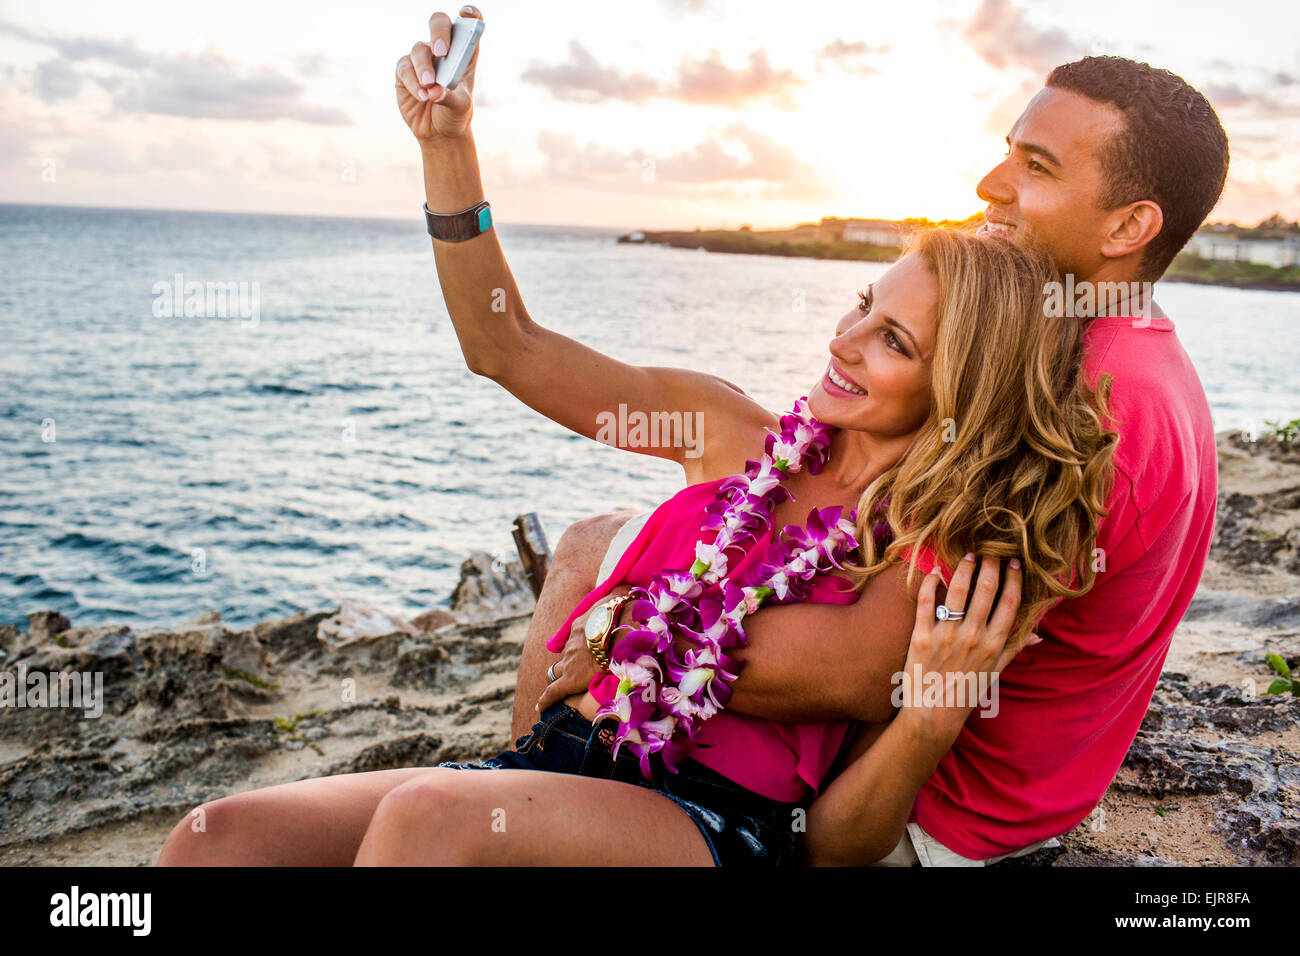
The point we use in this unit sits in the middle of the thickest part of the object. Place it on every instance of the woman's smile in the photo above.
(837, 383)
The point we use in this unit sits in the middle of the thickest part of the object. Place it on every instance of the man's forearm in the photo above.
(482, 298)
(824, 661)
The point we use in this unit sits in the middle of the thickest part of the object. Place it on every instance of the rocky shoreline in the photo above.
(202, 711)
(814, 241)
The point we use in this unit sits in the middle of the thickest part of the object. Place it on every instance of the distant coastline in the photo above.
(824, 241)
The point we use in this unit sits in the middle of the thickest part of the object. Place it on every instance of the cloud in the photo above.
(752, 159)
(24, 126)
(1252, 201)
(123, 53)
(709, 80)
(584, 80)
(207, 86)
(1249, 103)
(1003, 116)
(1223, 96)
(704, 80)
(211, 87)
(567, 161)
(183, 153)
(284, 162)
(706, 162)
(850, 56)
(105, 156)
(312, 65)
(56, 82)
(16, 142)
(1000, 34)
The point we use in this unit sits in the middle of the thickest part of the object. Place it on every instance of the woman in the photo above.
(960, 419)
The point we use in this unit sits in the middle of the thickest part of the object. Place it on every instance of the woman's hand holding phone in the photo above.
(433, 112)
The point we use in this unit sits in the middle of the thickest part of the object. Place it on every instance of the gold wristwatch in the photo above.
(600, 625)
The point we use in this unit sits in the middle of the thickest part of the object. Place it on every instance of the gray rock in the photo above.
(435, 620)
(489, 590)
(242, 653)
(10, 640)
(44, 626)
(293, 637)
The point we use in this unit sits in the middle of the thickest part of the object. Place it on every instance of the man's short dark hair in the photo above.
(1173, 150)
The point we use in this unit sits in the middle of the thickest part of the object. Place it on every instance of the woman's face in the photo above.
(882, 352)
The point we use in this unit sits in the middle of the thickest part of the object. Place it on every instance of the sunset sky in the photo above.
(749, 111)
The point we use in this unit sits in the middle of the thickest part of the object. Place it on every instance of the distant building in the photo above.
(875, 232)
(1267, 252)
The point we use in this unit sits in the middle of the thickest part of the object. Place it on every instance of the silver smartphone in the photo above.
(464, 41)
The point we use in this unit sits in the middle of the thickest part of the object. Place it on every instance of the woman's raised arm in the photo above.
(563, 379)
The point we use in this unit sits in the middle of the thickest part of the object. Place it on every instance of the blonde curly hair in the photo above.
(1015, 459)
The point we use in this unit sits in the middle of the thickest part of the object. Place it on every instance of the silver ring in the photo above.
(551, 676)
(945, 613)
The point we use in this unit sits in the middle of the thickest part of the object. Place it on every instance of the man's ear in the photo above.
(1132, 227)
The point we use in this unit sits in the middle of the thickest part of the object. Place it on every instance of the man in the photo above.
(1112, 166)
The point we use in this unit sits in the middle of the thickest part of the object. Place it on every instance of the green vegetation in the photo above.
(1285, 431)
(243, 675)
(1284, 684)
(1188, 267)
(287, 726)
(822, 241)
(1274, 227)
(774, 244)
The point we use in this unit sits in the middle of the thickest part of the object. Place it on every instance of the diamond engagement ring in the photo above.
(945, 613)
(551, 675)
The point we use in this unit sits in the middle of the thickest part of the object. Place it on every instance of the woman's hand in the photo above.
(573, 671)
(950, 651)
(432, 112)
(861, 814)
(576, 667)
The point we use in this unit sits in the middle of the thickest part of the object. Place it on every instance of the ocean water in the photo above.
(320, 437)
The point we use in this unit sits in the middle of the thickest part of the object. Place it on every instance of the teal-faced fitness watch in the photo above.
(459, 226)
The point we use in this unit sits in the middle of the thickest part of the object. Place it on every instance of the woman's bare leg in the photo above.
(317, 822)
(448, 817)
(573, 570)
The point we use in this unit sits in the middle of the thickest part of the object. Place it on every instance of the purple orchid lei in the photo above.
(662, 693)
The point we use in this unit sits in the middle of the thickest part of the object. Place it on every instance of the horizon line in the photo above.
(569, 225)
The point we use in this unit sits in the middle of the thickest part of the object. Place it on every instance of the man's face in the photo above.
(1049, 185)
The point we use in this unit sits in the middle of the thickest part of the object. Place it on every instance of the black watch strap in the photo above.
(459, 226)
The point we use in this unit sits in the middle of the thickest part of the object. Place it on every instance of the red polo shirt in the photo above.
(1071, 706)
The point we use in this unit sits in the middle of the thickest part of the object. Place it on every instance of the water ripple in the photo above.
(339, 448)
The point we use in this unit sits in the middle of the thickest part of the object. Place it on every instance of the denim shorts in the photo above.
(741, 828)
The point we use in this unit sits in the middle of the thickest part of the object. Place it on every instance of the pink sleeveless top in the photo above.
(780, 761)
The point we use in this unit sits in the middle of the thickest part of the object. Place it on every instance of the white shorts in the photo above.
(917, 846)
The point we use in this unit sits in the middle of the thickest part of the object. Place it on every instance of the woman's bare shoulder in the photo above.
(732, 432)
